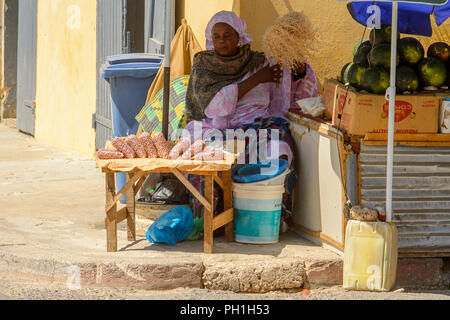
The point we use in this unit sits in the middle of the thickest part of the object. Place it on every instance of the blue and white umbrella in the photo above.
(413, 18)
(405, 16)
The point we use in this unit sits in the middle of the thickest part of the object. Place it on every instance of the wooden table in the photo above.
(137, 171)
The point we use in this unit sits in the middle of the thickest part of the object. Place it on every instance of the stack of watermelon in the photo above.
(371, 64)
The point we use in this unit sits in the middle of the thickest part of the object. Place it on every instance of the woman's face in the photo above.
(225, 39)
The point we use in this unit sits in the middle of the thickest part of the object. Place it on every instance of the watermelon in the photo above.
(448, 74)
(344, 72)
(432, 72)
(439, 50)
(361, 55)
(410, 50)
(380, 56)
(354, 75)
(359, 44)
(407, 79)
(375, 80)
(383, 35)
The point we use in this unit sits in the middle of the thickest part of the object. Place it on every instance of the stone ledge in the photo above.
(255, 277)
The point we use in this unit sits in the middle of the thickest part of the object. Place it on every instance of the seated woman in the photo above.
(233, 87)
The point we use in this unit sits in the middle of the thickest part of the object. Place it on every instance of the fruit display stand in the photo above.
(138, 169)
(334, 166)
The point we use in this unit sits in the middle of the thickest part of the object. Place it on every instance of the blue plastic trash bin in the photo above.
(130, 77)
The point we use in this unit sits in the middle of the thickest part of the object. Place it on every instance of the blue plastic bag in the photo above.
(172, 227)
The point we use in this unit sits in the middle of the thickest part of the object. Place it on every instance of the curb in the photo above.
(279, 274)
(140, 276)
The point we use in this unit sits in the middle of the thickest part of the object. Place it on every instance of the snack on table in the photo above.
(123, 147)
(211, 154)
(161, 145)
(137, 146)
(196, 148)
(146, 140)
(109, 154)
(180, 148)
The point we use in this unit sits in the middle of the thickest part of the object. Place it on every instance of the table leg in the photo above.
(111, 224)
(131, 216)
(228, 203)
(208, 215)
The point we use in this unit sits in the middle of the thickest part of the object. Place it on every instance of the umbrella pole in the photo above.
(166, 96)
(390, 94)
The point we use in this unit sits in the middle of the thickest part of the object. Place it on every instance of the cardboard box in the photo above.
(329, 96)
(363, 113)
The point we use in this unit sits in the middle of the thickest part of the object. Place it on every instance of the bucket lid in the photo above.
(134, 57)
(133, 70)
(258, 172)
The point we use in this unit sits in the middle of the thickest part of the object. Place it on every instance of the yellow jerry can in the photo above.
(370, 256)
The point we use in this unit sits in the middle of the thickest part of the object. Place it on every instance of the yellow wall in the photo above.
(338, 31)
(66, 74)
(199, 12)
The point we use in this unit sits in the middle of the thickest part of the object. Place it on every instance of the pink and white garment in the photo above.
(225, 111)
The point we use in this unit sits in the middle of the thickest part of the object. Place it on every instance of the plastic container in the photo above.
(275, 181)
(130, 77)
(257, 213)
(258, 172)
(370, 256)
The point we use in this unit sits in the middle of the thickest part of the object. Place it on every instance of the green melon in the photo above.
(410, 50)
(448, 73)
(439, 50)
(383, 35)
(375, 80)
(344, 72)
(432, 72)
(355, 73)
(407, 79)
(362, 54)
(380, 56)
(359, 44)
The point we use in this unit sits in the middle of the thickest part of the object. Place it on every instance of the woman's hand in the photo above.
(266, 74)
(270, 74)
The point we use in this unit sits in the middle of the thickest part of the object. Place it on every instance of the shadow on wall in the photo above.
(336, 29)
(180, 9)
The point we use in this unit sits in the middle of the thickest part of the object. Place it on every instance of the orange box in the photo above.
(365, 112)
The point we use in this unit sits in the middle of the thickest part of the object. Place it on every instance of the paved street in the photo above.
(17, 288)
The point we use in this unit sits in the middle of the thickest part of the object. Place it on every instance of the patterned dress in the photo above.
(264, 101)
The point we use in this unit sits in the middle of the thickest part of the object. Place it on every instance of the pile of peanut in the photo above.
(146, 146)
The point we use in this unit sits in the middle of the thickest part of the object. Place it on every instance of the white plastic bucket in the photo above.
(257, 212)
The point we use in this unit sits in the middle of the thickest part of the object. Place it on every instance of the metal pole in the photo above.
(125, 48)
(391, 96)
(167, 41)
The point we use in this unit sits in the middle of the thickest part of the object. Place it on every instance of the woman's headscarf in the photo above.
(211, 72)
(232, 20)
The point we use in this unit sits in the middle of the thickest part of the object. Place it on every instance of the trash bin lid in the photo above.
(249, 173)
(132, 70)
(133, 65)
(134, 57)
